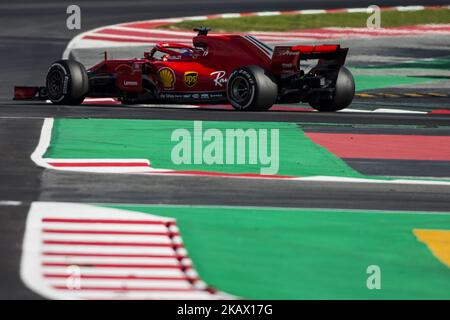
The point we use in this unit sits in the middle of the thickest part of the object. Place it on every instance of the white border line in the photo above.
(44, 142)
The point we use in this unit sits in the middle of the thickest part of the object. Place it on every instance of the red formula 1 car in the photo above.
(218, 68)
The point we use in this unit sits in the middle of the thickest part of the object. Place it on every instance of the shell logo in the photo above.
(167, 77)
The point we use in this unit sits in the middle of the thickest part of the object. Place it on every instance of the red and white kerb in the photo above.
(78, 251)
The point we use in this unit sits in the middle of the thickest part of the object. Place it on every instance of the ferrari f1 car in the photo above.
(237, 69)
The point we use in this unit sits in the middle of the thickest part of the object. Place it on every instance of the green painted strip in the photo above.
(151, 139)
(276, 253)
(372, 81)
(442, 63)
(368, 82)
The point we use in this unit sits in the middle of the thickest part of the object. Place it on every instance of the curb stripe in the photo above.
(103, 221)
(440, 111)
(93, 38)
(60, 231)
(107, 265)
(98, 277)
(98, 164)
(112, 244)
(117, 255)
(119, 269)
(126, 289)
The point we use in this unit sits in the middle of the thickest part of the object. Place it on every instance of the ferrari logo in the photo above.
(167, 78)
(190, 78)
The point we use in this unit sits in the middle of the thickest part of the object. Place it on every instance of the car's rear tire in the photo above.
(67, 82)
(342, 97)
(251, 88)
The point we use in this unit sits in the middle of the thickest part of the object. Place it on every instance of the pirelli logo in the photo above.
(167, 77)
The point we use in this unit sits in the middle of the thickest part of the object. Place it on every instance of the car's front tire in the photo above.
(67, 82)
(251, 88)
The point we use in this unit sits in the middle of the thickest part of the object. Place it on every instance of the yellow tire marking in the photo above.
(413, 95)
(400, 95)
(438, 241)
(436, 94)
(391, 95)
(365, 95)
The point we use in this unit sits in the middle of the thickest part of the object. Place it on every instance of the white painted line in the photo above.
(94, 161)
(89, 165)
(196, 18)
(319, 11)
(354, 110)
(136, 295)
(105, 45)
(410, 8)
(357, 10)
(170, 20)
(107, 238)
(385, 110)
(110, 260)
(44, 142)
(268, 13)
(230, 15)
(107, 227)
(93, 100)
(10, 203)
(135, 283)
(107, 250)
(138, 272)
(19, 117)
(122, 170)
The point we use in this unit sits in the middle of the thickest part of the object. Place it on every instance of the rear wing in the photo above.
(286, 59)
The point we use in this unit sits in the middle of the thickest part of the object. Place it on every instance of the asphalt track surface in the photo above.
(33, 33)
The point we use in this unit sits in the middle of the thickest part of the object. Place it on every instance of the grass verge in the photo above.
(310, 21)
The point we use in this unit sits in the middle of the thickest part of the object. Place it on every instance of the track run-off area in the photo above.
(93, 205)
